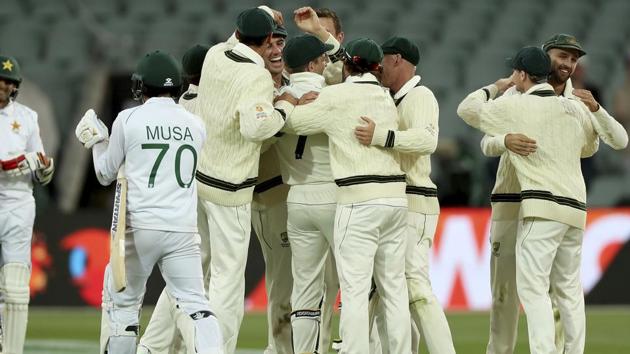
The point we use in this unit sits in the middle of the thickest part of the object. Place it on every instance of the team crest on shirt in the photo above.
(259, 109)
(168, 82)
(15, 126)
(284, 240)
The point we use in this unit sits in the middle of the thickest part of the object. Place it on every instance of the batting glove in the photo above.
(91, 130)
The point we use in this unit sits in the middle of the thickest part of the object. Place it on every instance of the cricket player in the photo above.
(238, 120)
(371, 205)
(22, 161)
(161, 335)
(416, 139)
(158, 143)
(269, 220)
(331, 22)
(312, 199)
(553, 194)
(564, 51)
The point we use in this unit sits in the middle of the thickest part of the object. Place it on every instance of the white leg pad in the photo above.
(305, 324)
(200, 330)
(15, 285)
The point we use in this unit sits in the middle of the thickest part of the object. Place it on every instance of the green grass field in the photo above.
(70, 330)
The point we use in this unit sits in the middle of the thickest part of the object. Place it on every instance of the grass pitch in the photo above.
(76, 330)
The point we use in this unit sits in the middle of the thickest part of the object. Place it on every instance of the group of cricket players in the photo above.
(324, 149)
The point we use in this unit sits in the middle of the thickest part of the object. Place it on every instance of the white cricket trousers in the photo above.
(426, 311)
(504, 311)
(177, 256)
(161, 336)
(229, 233)
(270, 226)
(310, 223)
(548, 254)
(505, 308)
(370, 240)
(16, 231)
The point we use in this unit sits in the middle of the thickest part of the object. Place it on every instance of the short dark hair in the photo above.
(324, 12)
(173, 91)
(538, 79)
(354, 69)
(298, 69)
(193, 79)
(254, 41)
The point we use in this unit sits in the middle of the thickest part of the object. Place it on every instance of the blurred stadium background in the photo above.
(78, 54)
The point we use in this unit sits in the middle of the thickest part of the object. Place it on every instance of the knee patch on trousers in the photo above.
(15, 283)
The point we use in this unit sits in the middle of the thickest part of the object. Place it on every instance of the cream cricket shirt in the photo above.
(362, 172)
(304, 160)
(552, 186)
(159, 143)
(416, 139)
(19, 134)
(188, 100)
(505, 196)
(235, 102)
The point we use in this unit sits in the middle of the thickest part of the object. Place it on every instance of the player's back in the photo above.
(225, 88)
(560, 134)
(551, 179)
(162, 144)
(349, 157)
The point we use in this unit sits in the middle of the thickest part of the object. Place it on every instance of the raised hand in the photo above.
(307, 21)
(587, 98)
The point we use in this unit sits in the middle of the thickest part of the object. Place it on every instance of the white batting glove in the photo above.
(44, 175)
(91, 130)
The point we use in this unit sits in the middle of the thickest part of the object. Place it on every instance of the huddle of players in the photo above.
(356, 161)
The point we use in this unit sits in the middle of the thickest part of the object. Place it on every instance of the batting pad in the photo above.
(200, 330)
(305, 324)
(15, 279)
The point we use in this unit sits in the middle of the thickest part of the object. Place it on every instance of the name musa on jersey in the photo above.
(159, 143)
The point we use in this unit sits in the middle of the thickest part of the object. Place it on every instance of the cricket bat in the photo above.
(117, 243)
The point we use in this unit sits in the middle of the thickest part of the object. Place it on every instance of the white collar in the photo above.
(249, 53)
(538, 87)
(408, 86)
(366, 77)
(8, 110)
(568, 89)
(307, 77)
(166, 100)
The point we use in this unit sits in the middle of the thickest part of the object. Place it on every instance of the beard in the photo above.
(560, 77)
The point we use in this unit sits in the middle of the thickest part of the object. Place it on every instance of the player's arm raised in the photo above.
(471, 107)
(609, 130)
(107, 151)
(307, 21)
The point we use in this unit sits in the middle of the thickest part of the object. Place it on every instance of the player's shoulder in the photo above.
(126, 114)
(24, 111)
(421, 92)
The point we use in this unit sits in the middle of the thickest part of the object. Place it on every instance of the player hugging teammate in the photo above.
(336, 183)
